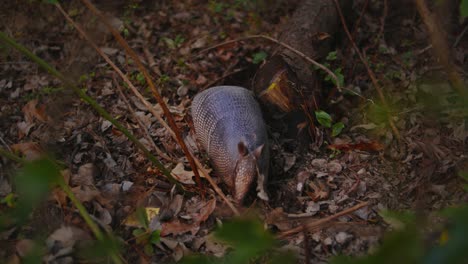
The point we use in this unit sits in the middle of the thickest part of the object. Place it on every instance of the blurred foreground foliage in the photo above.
(408, 242)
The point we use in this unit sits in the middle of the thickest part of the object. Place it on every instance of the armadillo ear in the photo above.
(243, 151)
(258, 151)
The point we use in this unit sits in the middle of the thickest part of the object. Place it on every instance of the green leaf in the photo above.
(9, 200)
(464, 8)
(463, 174)
(155, 237)
(170, 43)
(337, 128)
(140, 235)
(142, 217)
(331, 56)
(247, 237)
(259, 57)
(148, 249)
(323, 118)
(398, 220)
(140, 77)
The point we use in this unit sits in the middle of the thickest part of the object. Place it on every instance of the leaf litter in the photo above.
(112, 178)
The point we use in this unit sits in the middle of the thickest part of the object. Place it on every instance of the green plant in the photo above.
(259, 57)
(174, 43)
(464, 8)
(332, 57)
(145, 236)
(251, 243)
(325, 120)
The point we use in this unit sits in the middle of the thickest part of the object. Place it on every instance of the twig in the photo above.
(155, 92)
(4, 143)
(284, 45)
(319, 223)
(215, 187)
(140, 122)
(369, 71)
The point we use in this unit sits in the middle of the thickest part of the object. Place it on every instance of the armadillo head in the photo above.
(246, 170)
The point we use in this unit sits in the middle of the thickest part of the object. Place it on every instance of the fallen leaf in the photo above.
(24, 128)
(319, 193)
(201, 80)
(182, 175)
(205, 211)
(289, 161)
(31, 111)
(132, 220)
(277, 217)
(177, 227)
(30, 150)
(64, 239)
(85, 193)
(85, 175)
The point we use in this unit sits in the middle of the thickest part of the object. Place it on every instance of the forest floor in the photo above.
(113, 178)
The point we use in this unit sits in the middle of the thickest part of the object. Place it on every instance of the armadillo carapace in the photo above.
(230, 127)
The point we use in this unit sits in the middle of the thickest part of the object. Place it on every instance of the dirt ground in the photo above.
(308, 182)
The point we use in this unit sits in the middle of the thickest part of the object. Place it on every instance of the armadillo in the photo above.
(229, 125)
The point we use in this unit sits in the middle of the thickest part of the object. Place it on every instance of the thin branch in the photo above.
(155, 92)
(369, 71)
(311, 226)
(284, 45)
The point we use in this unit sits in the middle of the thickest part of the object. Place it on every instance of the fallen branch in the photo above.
(311, 226)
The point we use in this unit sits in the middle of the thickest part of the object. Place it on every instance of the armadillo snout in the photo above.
(245, 173)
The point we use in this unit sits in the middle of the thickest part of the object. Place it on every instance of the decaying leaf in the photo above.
(182, 175)
(30, 150)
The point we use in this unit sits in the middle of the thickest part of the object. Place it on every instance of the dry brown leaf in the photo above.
(277, 217)
(205, 211)
(24, 128)
(31, 111)
(30, 150)
(201, 80)
(85, 175)
(182, 175)
(319, 193)
(177, 227)
(85, 193)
